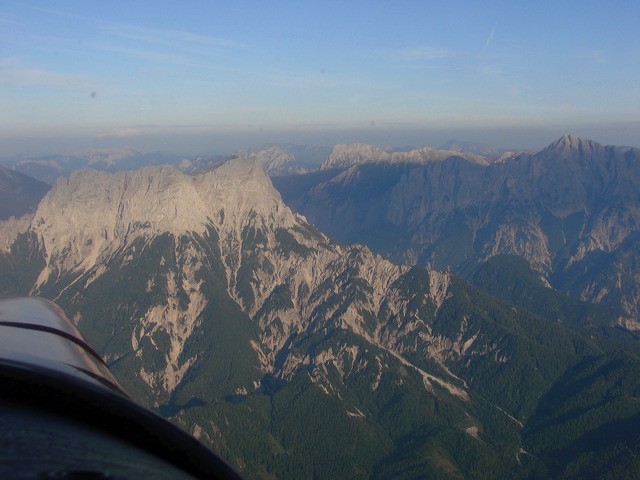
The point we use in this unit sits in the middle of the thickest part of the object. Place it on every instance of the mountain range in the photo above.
(470, 147)
(277, 160)
(572, 210)
(47, 168)
(295, 356)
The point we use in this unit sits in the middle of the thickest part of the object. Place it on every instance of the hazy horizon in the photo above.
(213, 143)
(204, 77)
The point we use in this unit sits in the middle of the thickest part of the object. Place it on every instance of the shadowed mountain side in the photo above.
(19, 193)
(574, 204)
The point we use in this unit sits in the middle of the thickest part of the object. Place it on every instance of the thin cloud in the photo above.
(155, 56)
(171, 38)
(169, 47)
(275, 78)
(488, 40)
(12, 73)
(51, 11)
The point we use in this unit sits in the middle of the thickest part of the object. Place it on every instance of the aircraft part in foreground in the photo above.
(64, 416)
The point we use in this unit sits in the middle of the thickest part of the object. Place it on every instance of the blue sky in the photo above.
(207, 76)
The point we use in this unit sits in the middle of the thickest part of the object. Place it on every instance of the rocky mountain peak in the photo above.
(572, 145)
(344, 156)
(349, 155)
(274, 160)
(91, 214)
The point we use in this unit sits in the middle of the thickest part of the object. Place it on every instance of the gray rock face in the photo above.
(91, 215)
(275, 161)
(559, 209)
(574, 146)
(347, 155)
(344, 156)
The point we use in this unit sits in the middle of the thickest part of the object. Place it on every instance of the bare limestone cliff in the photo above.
(344, 156)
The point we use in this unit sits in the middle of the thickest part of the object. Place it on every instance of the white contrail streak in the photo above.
(488, 41)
